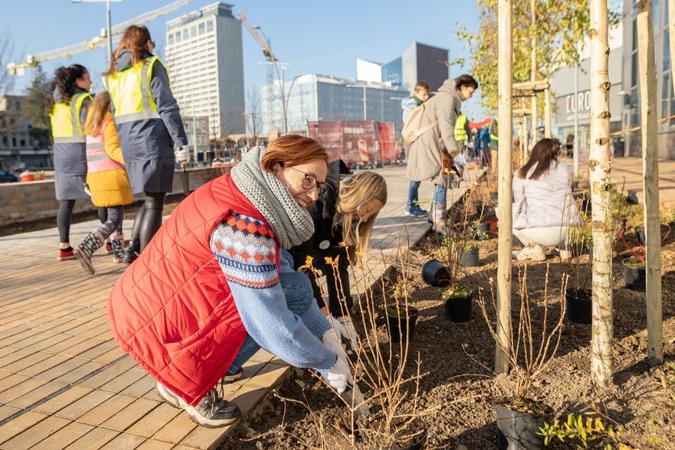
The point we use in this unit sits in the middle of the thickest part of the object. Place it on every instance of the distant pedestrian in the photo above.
(494, 144)
(462, 131)
(432, 154)
(107, 182)
(420, 95)
(68, 112)
(150, 129)
(569, 144)
(484, 139)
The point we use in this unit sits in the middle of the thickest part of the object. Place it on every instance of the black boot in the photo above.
(132, 251)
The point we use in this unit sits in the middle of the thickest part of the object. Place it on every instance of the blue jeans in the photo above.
(438, 208)
(299, 296)
(413, 200)
(440, 193)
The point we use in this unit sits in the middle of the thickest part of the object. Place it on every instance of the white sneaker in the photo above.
(211, 412)
(533, 253)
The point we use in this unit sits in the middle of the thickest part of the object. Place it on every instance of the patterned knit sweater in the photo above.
(246, 253)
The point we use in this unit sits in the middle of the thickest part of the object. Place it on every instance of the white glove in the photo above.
(182, 154)
(350, 333)
(460, 160)
(339, 376)
(342, 334)
(332, 339)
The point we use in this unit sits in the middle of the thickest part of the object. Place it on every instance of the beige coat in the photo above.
(424, 160)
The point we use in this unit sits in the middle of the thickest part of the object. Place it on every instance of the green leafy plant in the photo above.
(582, 428)
(666, 379)
(455, 291)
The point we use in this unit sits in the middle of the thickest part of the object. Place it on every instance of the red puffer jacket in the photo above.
(172, 309)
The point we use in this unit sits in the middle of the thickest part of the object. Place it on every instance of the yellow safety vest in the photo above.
(130, 92)
(460, 128)
(65, 120)
(494, 129)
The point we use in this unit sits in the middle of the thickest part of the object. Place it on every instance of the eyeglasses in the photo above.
(153, 43)
(310, 182)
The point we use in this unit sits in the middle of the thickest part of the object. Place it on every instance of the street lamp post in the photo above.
(364, 103)
(286, 99)
(108, 23)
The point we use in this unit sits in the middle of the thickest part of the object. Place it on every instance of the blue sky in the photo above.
(310, 36)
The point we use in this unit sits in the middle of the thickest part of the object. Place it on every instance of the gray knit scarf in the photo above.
(291, 223)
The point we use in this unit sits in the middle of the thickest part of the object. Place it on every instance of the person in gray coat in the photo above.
(431, 149)
(149, 126)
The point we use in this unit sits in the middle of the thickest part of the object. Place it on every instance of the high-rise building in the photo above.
(204, 55)
(419, 62)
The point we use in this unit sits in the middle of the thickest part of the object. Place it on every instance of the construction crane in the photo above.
(271, 64)
(97, 42)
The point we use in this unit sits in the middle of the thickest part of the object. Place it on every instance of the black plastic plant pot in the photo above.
(580, 307)
(481, 230)
(470, 258)
(418, 444)
(458, 309)
(635, 274)
(520, 429)
(434, 273)
(401, 323)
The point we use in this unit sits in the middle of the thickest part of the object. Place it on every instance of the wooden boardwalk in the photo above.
(64, 382)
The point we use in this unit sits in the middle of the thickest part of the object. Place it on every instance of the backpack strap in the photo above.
(425, 128)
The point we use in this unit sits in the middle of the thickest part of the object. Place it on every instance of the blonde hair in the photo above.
(356, 190)
(97, 111)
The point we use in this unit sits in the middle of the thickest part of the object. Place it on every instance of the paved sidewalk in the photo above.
(629, 170)
(64, 383)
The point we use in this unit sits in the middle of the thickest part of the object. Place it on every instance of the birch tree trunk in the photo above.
(599, 171)
(505, 177)
(650, 168)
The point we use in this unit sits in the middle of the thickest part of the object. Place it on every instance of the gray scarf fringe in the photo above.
(292, 224)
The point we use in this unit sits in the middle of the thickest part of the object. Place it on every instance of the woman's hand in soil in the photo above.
(339, 376)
